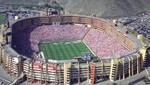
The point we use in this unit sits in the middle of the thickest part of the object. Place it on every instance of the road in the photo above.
(4, 77)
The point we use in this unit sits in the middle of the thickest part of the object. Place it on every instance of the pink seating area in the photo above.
(26, 42)
(102, 44)
(54, 33)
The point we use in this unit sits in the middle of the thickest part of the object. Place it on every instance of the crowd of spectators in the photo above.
(140, 23)
(102, 44)
(26, 42)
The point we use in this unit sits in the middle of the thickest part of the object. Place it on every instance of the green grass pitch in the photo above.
(63, 50)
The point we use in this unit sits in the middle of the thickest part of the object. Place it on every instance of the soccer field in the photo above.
(63, 50)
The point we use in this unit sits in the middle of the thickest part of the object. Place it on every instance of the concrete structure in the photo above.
(67, 72)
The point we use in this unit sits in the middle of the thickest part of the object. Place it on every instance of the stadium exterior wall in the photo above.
(105, 68)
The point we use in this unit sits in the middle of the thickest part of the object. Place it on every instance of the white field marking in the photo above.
(55, 43)
(76, 41)
(67, 42)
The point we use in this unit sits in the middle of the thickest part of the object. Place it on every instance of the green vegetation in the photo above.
(63, 50)
(29, 6)
(2, 18)
(56, 6)
(53, 5)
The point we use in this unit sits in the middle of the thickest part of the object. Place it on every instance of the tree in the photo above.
(56, 6)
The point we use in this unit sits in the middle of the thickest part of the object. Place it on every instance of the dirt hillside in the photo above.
(103, 8)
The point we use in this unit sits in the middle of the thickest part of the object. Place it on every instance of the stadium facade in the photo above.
(66, 72)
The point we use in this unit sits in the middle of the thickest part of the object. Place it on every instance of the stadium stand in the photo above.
(98, 41)
(102, 44)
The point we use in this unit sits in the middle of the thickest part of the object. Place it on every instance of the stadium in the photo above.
(70, 49)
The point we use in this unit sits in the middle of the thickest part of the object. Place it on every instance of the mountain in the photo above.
(102, 8)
